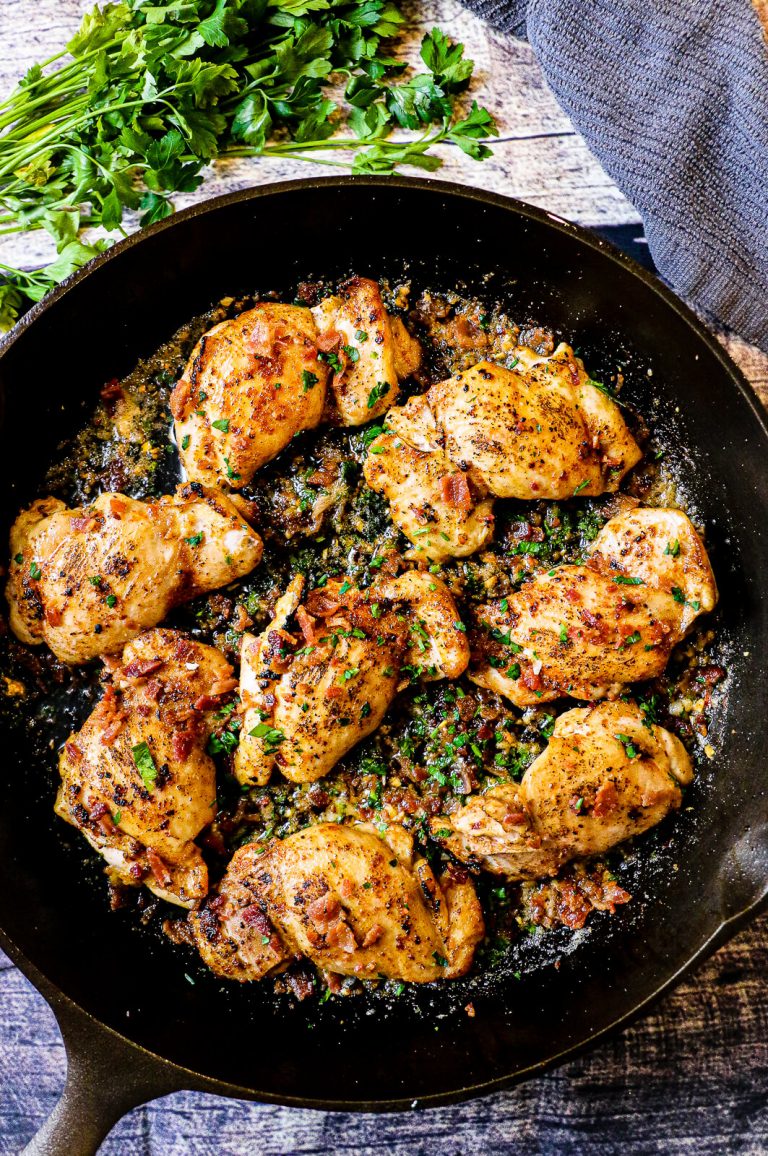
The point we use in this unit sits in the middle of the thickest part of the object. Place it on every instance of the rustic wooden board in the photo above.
(692, 1077)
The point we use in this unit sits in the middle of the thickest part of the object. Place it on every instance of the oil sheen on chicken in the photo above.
(352, 901)
(87, 580)
(136, 779)
(372, 350)
(540, 429)
(249, 386)
(605, 776)
(323, 674)
(586, 631)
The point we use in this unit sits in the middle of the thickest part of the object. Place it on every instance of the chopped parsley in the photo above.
(673, 548)
(34, 571)
(380, 389)
(624, 580)
(629, 746)
(145, 765)
(308, 380)
(185, 442)
(195, 540)
(222, 424)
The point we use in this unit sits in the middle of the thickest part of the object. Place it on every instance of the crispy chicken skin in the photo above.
(249, 386)
(353, 902)
(323, 674)
(586, 631)
(541, 429)
(164, 695)
(373, 348)
(87, 580)
(604, 777)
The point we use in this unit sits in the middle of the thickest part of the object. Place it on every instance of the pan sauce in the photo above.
(318, 518)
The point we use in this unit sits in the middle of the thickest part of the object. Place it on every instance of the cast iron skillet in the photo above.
(133, 1026)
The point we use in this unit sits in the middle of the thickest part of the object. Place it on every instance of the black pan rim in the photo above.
(188, 1078)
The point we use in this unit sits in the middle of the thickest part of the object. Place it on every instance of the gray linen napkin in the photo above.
(672, 97)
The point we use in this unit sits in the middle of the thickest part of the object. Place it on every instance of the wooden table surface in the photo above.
(690, 1078)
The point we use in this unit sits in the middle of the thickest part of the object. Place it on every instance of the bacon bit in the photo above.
(573, 595)
(340, 936)
(223, 686)
(137, 872)
(531, 680)
(333, 692)
(591, 619)
(110, 732)
(184, 650)
(179, 931)
(469, 1008)
(711, 675)
(347, 888)
(179, 398)
(325, 476)
(320, 603)
(181, 744)
(253, 916)
(307, 624)
(99, 810)
(207, 702)
(141, 667)
(158, 868)
(373, 935)
(333, 981)
(74, 752)
(329, 340)
(300, 984)
(324, 909)
(456, 492)
(242, 619)
(53, 615)
(153, 689)
(113, 389)
(573, 369)
(514, 819)
(117, 507)
(85, 523)
(606, 800)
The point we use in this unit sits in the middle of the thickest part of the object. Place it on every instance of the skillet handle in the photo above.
(106, 1077)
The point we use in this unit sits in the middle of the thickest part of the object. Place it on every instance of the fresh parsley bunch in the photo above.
(155, 90)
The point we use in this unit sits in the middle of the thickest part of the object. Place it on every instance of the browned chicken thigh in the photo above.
(541, 429)
(249, 386)
(87, 580)
(370, 350)
(136, 779)
(323, 674)
(605, 776)
(586, 631)
(352, 901)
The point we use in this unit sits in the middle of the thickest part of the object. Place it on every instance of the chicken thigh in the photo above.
(605, 776)
(136, 779)
(87, 580)
(323, 674)
(353, 902)
(249, 386)
(372, 349)
(541, 429)
(586, 631)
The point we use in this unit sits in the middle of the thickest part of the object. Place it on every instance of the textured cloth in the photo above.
(672, 97)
